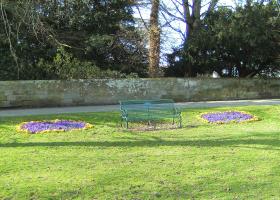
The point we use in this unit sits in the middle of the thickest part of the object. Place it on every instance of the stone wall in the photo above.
(108, 91)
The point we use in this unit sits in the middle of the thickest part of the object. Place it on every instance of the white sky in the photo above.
(170, 37)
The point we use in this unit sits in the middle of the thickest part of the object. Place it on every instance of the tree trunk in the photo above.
(193, 17)
(154, 37)
(196, 15)
(187, 17)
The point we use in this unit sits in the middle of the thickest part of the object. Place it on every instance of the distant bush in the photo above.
(65, 66)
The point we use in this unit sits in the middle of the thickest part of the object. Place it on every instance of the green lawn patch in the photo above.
(199, 161)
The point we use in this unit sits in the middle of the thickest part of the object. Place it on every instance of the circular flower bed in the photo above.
(227, 117)
(53, 125)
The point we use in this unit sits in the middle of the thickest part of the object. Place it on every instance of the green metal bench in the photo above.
(149, 110)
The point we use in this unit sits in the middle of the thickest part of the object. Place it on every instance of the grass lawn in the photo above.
(199, 161)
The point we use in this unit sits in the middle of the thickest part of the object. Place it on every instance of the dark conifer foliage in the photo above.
(63, 39)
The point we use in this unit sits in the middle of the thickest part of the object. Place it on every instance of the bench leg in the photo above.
(126, 124)
(124, 121)
(180, 122)
(155, 125)
(121, 122)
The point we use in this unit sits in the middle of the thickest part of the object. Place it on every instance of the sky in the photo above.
(170, 38)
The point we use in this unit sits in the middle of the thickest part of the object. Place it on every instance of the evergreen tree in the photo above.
(99, 33)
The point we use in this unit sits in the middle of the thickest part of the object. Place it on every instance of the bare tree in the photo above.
(188, 12)
(166, 13)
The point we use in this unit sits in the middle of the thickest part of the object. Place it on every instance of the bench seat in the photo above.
(149, 110)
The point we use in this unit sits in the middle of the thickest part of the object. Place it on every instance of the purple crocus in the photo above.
(57, 125)
(226, 117)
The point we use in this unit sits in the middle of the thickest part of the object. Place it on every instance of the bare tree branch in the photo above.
(166, 10)
(178, 30)
(142, 19)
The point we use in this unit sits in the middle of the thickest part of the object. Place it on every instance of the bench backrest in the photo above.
(147, 105)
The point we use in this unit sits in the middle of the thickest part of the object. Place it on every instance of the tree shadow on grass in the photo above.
(270, 143)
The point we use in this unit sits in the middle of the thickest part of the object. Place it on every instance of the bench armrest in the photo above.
(123, 112)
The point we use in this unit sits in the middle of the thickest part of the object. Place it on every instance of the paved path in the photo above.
(106, 108)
